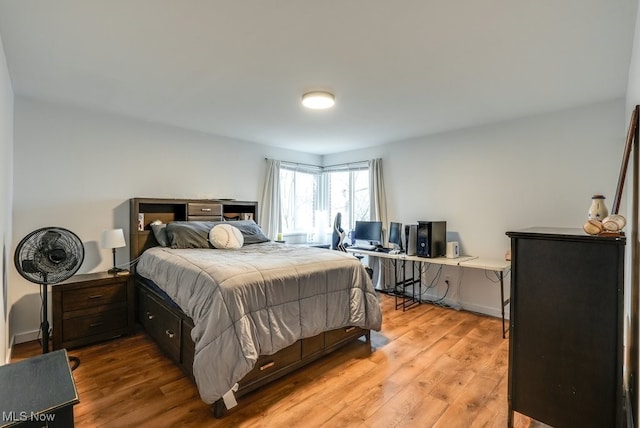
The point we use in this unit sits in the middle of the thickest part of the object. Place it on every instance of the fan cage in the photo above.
(49, 255)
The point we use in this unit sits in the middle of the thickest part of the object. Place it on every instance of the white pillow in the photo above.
(226, 236)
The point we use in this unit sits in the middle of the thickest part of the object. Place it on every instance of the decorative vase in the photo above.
(598, 210)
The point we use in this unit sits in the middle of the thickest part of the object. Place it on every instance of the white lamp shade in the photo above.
(113, 238)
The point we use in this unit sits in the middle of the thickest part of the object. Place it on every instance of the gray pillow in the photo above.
(251, 232)
(160, 233)
(189, 234)
(195, 234)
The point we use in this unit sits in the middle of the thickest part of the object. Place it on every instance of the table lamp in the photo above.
(113, 239)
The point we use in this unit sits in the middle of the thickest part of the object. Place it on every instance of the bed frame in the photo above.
(171, 328)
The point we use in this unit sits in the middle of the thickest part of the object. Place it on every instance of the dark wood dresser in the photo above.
(92, 307)
(566, 339)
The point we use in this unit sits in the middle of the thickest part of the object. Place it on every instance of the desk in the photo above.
(499, 267)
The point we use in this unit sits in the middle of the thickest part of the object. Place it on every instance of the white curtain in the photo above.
(269, 217)
(378, 194)
(378, 212)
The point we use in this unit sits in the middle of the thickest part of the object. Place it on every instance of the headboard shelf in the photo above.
(144, 211)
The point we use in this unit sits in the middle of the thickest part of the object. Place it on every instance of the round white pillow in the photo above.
(226, 236)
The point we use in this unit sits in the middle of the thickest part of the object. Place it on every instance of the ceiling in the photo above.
(398, 69)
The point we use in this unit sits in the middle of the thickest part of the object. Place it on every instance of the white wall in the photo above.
(632, 99)
(485, 181)
(633, 87)
(77, 169)
(6, 180)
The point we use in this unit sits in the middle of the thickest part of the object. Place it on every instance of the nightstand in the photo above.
(92, 307)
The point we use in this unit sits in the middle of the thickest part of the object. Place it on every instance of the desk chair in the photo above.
(337, 237)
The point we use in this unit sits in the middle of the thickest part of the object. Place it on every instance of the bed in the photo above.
(235, 318)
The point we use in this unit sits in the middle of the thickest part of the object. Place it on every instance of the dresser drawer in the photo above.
(92, 325)
(188, 348)
(312, 345)
(268, 364)
(88, 297)
(204, 209)
(163, 325)
(205, 218)
(341, 334)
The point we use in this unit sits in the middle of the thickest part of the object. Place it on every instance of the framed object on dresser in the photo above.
(566, 339)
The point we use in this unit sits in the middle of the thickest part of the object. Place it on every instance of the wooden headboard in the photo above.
(144, 211)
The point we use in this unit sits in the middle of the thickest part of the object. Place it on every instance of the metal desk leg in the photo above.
(403, 299)
(503, 303)
(395, 283)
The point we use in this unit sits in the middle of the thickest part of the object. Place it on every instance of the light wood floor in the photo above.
(428, 367)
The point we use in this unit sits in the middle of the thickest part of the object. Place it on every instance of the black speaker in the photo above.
(432, 239)
(410, 239)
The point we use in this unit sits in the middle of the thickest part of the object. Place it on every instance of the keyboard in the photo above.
(371, 248)
(363, 247)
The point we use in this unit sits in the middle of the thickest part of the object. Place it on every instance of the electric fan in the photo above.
(48, 256)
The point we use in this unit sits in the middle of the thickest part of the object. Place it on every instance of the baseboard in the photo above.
(9, 351)
(457, 305)
(21, 338)
(486, 310)
(28, 336)
(466, 306)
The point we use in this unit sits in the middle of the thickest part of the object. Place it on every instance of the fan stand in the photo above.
(44, 326)
(48, 250)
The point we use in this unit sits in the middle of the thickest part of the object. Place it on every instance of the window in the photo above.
(312, 196)
(349, 195)
(298, 199)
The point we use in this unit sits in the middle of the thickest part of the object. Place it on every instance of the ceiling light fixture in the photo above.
(318, 100)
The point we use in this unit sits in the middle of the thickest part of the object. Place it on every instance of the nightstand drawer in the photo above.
(205, 210)
(76, 328)
(94, 296)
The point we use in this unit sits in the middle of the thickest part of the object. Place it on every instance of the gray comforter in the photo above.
(257, 300)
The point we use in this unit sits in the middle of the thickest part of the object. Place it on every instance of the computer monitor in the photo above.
(370, 231)
(395, 235)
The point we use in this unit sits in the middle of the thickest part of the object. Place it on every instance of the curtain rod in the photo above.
(325, 166)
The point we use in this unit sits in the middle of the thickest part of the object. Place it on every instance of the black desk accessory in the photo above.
(38, 391)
